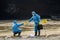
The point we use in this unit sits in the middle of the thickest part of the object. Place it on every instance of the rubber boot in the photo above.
(14, 34)
(38, 33)
(19, 34)
(35, 33)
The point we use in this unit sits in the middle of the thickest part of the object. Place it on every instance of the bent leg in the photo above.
(19, 32)
(14, 33)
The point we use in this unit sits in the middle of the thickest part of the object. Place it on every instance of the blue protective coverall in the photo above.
(15, 27)
(36, 19)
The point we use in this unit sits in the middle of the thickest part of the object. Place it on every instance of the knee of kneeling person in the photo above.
(20, 30)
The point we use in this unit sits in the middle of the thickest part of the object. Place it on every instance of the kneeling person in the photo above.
(15, 28)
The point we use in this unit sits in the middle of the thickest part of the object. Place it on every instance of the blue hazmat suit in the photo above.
(36, 19)
(15, 27)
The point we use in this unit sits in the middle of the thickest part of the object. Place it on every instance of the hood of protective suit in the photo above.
(15, 21)
(33, 12)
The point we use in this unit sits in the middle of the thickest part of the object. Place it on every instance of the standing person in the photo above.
(15, 28)
(36, 18)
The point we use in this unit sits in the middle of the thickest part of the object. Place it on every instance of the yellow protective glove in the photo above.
(44, 21)
(25, 22)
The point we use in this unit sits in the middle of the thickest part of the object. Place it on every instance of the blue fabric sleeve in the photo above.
(31, 19)
(20, 24)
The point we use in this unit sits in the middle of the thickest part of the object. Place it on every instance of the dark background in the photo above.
(21, 9)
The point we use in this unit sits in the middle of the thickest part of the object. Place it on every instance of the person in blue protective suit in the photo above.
(15, 28)
(36, 19)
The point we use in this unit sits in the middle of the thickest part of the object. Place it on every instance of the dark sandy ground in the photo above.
(50, 32)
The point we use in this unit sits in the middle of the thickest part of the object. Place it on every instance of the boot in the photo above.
(19, 34)
(38, 33)
(35, 33)
(14, 34)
